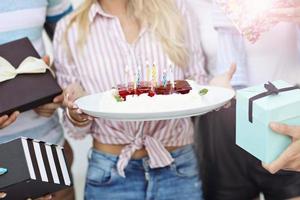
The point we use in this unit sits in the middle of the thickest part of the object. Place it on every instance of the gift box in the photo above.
(35, 169)
(26, 82)
(258, 106)
(251, 17)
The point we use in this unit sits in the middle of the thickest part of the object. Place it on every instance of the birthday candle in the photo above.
(139, 74)
(148, 71)
(172, 67)
(154, 75)
(164, 78)
(134, 80)
(171, 72)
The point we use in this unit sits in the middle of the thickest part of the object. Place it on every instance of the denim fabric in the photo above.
(180, 181)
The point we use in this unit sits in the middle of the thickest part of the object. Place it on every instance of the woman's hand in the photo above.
(71, 93)
(289, 13)
(290, 158)
(224, 80)
(7, 120)
(47, 110)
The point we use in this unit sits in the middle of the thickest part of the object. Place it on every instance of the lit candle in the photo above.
(172, 76)
(148, 71)
(164, 78)
(139, 74)
(154, 75)
(134, 80)
(171, 72)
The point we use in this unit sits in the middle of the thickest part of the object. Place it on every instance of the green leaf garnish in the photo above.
(203, 92)
(118, 98)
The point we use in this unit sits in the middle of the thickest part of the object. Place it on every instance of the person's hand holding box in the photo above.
(49, 109)
(6, 120)
(26, 81)
(259, 105)
(290, 158)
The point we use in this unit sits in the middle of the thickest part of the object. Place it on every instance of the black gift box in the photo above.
(26, 91)
(35, 169)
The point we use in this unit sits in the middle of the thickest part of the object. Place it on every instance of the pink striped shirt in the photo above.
(100, 65)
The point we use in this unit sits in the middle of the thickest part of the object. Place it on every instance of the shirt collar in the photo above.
(95, 10)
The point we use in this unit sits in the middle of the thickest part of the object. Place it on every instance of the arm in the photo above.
(68, 78)
(55, 11)
(195, 69)
(231, 48)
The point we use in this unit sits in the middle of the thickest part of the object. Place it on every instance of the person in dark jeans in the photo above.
(230, 173)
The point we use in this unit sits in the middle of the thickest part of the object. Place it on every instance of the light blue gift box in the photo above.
(256, 137)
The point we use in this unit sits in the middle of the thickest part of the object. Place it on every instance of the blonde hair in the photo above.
(161, 16)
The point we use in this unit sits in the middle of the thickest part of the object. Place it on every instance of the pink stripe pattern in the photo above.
(101, 64)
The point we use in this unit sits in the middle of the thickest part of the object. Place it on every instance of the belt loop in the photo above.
(173, 166)
(146, 168)
(146, 164)
(89, 154)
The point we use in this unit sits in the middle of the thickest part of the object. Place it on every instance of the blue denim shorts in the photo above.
(179, 181)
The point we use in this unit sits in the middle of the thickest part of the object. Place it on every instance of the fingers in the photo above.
(279, 163)
(47, 110)
(231, 71)
(46, 60)
(228, 105)
(44, 113)
(10, 119)
(75, 91)
(58, 99)
(68, 102)
(2, 195)
(293, 131)
(3, 119)
(82, 115)
(286, 160)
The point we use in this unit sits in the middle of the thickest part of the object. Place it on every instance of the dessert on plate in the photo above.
(146, 97)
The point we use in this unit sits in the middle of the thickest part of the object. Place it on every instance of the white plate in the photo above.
(214, 99)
